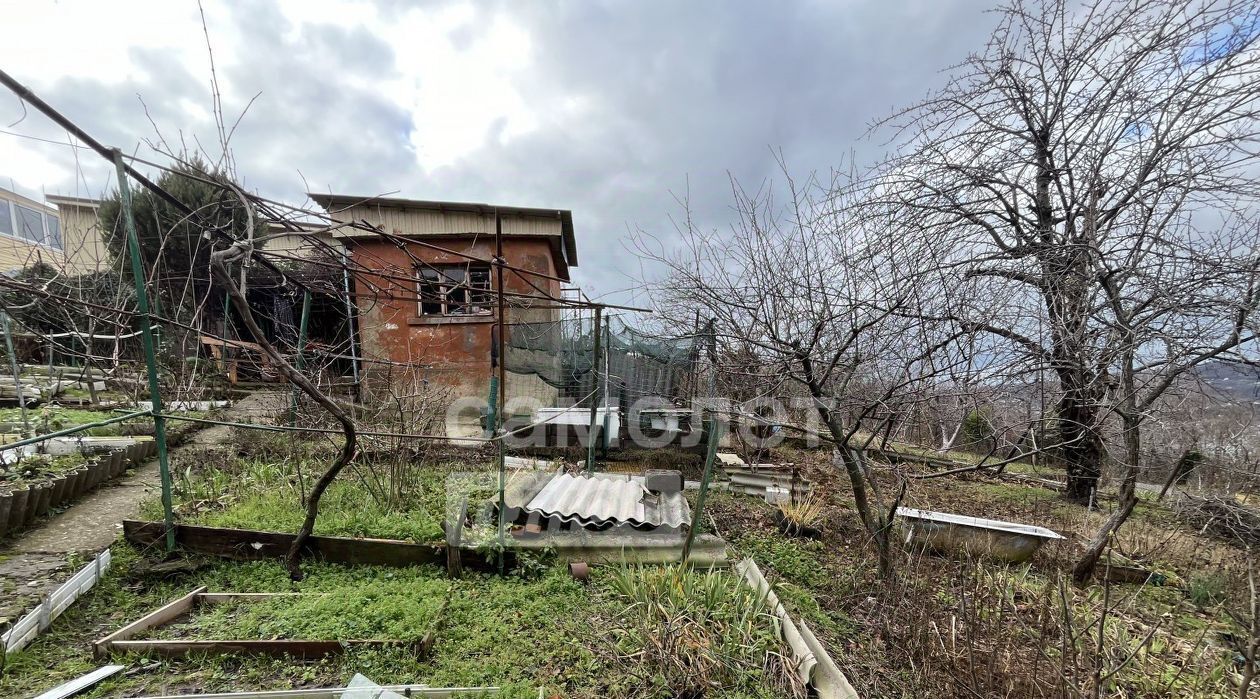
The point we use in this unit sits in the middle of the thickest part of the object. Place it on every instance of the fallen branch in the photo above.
(1222, 517)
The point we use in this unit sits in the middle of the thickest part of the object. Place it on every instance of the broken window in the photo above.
(453, 290)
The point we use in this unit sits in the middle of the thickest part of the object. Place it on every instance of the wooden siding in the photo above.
(16, 254)
(423, 222)
(299, 245)
(82, 238)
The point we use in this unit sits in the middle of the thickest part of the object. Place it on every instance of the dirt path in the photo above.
(34, 562)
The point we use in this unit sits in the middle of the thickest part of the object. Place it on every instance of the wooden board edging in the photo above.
(120, 640)
(250, 544)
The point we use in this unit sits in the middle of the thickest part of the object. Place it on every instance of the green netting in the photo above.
(556, 361)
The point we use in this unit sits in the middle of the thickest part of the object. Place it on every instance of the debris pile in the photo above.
(1221, 516)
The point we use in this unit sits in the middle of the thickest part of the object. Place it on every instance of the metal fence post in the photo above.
(300, 362)
(150, 351)
(715, 426)
(604, 432)
(501, 342)
(595, 357)
(13, 366)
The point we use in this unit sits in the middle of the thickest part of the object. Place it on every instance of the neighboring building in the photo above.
(83, 240)
(30, 233)
(434, 310)
(66, 236)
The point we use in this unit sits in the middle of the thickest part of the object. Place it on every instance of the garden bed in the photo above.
(38, 484)
(536, 628)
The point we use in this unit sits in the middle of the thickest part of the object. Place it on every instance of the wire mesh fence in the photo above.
(562, 370)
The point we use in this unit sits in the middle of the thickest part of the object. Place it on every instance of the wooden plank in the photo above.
(298, 648)
(248, 544)
(69, 689)
(302, 648)
(157, 617)
(216, 343)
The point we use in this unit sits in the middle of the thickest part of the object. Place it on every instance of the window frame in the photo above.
(21, 224)
(46, 239)
(56, 242)
(476, 294)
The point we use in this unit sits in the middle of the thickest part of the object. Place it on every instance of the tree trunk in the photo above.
(878, 524)
(221, 273)
(1128, 500)
(1081, 446)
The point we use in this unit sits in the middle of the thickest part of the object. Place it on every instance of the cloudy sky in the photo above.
(611, 109)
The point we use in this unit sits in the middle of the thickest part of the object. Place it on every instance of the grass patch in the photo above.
(523, 634)
(1018, 494)
(386, 609)
(263, 494)
(685, 633)
(345, 510)
(492, 634)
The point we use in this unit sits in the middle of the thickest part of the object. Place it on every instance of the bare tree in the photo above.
(829, 304)
(1068, 158)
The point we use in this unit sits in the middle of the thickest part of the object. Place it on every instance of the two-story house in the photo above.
(425, 290)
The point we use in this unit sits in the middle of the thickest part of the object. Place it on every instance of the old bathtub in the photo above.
(942, 531)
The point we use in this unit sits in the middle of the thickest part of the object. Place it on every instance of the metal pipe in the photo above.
(115, 155)
(502, 344)
(590, 432)
(150, 351)
(300, 360)
(316, 430)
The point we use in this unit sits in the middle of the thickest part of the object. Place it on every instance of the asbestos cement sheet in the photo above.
(608, 498)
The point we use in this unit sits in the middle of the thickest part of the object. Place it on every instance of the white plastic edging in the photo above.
(39, 619)
(815, 666)
(406, 690)
(79, 684)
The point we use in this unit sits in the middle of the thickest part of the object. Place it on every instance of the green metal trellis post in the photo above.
(150, 351)
(595, 356)
(604, 437)
(17, 375)
(227, 308)
(710, 455)
(301, 361)
(501, 342)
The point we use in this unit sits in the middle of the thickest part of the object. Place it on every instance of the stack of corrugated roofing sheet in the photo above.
(762, 479)
(609, 498)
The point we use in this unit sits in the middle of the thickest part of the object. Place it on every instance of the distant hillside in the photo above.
(1231, 380)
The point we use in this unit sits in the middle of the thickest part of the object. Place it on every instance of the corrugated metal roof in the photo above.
(609, 498)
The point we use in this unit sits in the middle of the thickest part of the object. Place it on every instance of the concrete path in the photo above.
(36, 561)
